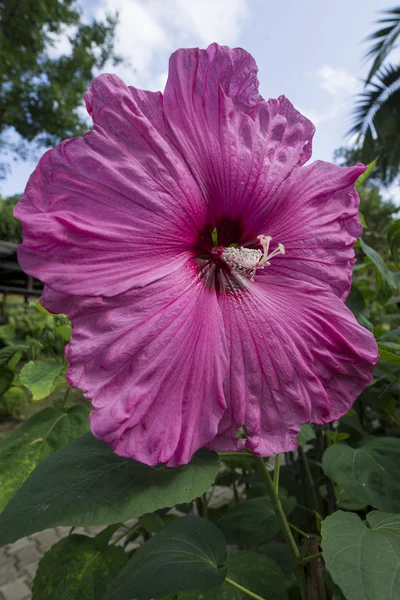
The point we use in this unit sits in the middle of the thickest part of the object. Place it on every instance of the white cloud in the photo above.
(339, 87)
(204, 20)
(337, 81)
(148, 31)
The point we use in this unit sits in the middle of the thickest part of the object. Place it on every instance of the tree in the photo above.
(40, 93)
(377, 110)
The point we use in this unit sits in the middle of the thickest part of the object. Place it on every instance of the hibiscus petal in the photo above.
(315, 215)
(153, 362)
(114, 209)
(239, 147)
(297, 355)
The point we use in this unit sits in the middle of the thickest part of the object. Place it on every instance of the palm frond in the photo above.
(377, 118)
(386, 82)
(385, 39)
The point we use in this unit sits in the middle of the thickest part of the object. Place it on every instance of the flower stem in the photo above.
(276, 472)
(310, 479)
(243, 589)
(280, 515)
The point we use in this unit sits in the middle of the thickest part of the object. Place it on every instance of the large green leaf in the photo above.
(45, 432)
(42, 377)
(363, 557)
(368, 473)
(189, 554)
(257, 573)
(86, 483)
(253, 522)
(280, 553)
(77, 568)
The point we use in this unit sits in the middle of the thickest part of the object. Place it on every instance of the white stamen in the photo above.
(265, 242)
(247, 260)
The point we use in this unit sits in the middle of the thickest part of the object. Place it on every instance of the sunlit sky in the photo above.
(311, 51)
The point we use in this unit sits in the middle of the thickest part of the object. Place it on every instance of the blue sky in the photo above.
(311, 51)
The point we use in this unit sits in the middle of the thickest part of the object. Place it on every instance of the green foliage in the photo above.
(10, 228)
(253, 522)
(306, 434)
(385, 282)
(190, 554)
(363, 556)
(38, 333)
(12, 402)
(77, 568)
(34, 99)
(45, 432)
(369, 472)
(43, 377)
(81, 484)
(394, 239)
(255, 572)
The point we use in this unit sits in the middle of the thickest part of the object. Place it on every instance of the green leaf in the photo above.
(385, 280)
(257, 573)
(306, 434)
(336, 436)
(189, 554)
(280, 553)
(369, 473)
(86, 483)
(64, 331)
(45, 432)
(42, 377)
(389, 404)
(363, 178)
(77, 568)
(363, 557)
(355, 301)
(253, 522)
(8, 353)
(103, 538)
(394, 239)
(388, 356)
(151, 522)
(6, 379)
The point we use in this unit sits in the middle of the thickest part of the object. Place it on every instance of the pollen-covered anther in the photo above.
(247, 260)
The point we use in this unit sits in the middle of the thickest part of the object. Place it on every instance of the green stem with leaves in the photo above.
(285, 528)
(243, 589)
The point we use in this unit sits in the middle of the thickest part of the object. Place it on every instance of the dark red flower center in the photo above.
(226, 265)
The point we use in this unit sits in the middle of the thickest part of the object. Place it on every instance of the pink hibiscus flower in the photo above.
(204, 269)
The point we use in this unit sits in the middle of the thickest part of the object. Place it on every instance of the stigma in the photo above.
(246, 261)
